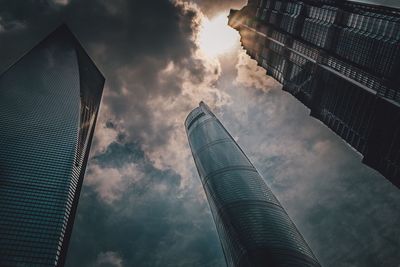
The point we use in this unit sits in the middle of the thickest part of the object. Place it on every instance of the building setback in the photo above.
(339, 58)
(49, 101)
(253, 227)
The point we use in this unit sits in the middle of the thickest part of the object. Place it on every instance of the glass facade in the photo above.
(339, 58)
(253, 228)
(49, 101)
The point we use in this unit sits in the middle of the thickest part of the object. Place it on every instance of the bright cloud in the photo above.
(216, 37)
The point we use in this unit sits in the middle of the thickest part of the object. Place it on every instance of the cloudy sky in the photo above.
(142, 203)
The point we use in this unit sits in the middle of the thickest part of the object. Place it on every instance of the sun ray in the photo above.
(216, 37)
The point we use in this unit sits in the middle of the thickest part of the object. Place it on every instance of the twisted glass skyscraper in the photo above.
(253, 227)
(339, 58)
(49, 101)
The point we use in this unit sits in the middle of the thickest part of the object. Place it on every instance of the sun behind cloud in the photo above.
(216, 37)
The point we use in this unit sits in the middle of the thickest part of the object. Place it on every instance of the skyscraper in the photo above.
(339, 58)
(253, 228)
(49, 101)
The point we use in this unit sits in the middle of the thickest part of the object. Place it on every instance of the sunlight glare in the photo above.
(216, 37)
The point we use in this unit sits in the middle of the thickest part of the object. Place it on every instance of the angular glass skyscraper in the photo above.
(49, 101)
(339, 58)
(253, 227)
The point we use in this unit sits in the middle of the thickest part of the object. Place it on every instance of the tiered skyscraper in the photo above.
(49, 101)
(254, 229)
(342, 60)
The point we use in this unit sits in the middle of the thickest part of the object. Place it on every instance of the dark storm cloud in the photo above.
(142, 203)
(126, 30)
(130, 41)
